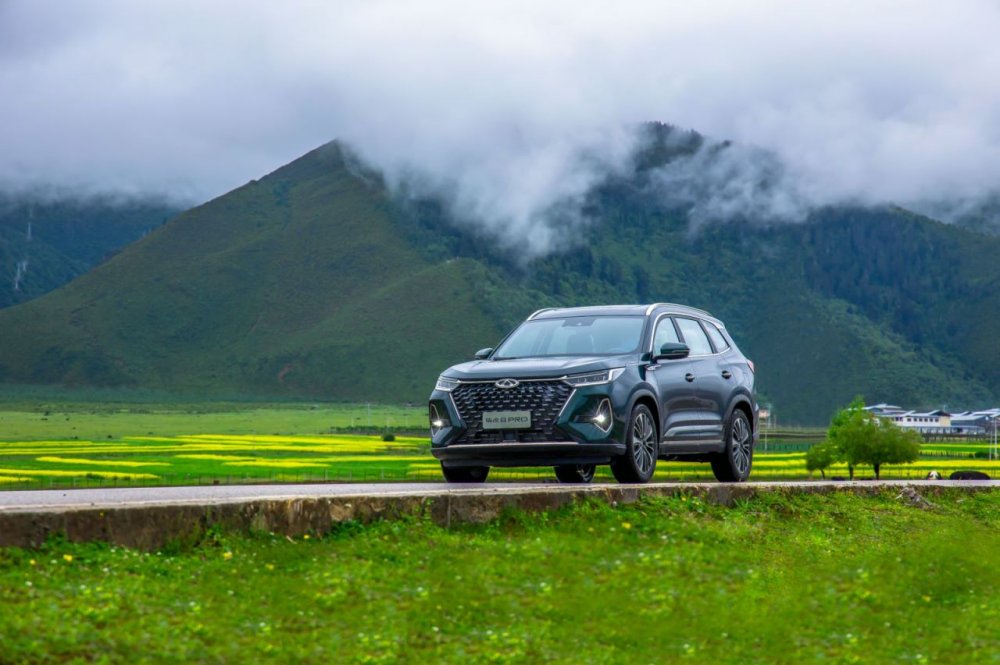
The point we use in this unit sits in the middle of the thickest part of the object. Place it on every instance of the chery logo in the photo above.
(507, 383)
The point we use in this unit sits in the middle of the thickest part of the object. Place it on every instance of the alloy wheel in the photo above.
(644, 442)
(741, 446)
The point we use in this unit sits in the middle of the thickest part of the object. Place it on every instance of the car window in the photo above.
(717, 339)
(573, 336)
(665, 332)
(694, 337)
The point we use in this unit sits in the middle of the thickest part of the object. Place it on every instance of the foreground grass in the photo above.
(787, 579)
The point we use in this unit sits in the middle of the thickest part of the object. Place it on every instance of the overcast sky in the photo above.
(865, 100)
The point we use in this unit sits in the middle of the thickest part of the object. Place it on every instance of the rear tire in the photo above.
(465, 474)
(641, 448)
(734, 463)
(575, 473)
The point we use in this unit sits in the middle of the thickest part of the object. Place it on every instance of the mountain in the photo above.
(46, 241)
(314, 282)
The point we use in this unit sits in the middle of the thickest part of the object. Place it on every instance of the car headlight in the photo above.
(594, 378)
(445, 384)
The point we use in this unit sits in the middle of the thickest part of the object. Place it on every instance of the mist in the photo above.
(511, 111)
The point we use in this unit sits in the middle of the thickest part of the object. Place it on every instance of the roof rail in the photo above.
(649, 310)
(537, 312)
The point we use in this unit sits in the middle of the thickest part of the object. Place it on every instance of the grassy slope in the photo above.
(260, 291)
(778, 579)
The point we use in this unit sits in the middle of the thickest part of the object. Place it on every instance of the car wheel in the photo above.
(465, 474)
(575, 473)
(641, 448)
(734, 463)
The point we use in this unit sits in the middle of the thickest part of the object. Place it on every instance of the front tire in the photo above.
(641, 448)
(734, 463)
(575, 473)
(465, 474)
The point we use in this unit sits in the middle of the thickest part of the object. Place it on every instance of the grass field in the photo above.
(776, 579)
(89, 445)
(30, 421)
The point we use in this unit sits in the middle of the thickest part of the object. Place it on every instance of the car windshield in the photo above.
(573, 336)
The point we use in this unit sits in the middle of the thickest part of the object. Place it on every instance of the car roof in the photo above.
(622, 310)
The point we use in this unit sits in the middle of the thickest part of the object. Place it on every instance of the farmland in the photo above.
(76, 445)
(779, 578)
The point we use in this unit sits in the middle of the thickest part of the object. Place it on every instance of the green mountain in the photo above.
(46, 241)
(313, 282)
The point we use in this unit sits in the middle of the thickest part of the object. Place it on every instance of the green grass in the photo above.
(32, 421)
(777, 579)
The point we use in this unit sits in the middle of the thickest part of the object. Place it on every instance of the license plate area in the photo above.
(494, 420)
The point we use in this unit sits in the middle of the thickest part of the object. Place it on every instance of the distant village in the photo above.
(966, 423)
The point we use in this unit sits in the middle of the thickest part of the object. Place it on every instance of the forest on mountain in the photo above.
(47, 239)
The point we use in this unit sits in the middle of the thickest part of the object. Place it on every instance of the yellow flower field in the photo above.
(57, 473)
(99, 462)
(13, 479)
(203, 458)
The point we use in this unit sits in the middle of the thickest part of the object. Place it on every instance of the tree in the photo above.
(821, 456)
(849, 433)
(857, 437)
(892, 445)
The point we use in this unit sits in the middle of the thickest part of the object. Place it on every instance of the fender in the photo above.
(743, 398)
(646, 390)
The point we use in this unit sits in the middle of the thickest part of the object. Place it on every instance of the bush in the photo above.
(388, 436)
(821, 456)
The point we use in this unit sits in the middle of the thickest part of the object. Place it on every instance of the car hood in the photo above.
(533, 368)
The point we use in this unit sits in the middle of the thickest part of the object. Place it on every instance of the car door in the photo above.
(708, 383)
(678, 413)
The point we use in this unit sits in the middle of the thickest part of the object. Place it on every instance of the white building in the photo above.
(938, 421)
(976, 422)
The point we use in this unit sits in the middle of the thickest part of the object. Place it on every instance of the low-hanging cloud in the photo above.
(512, 110)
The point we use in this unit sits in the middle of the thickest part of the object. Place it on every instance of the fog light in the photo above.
(438, 422)
(603, 417)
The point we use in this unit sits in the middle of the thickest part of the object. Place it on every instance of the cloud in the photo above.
(513, 108)
(731, 182)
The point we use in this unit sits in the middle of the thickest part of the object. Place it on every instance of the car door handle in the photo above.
(689, 377)
(726, 374)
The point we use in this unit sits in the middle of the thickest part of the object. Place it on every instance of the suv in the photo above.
(621, 385)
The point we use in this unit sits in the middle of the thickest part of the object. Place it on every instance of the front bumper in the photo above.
(528, 454)
(564, 435)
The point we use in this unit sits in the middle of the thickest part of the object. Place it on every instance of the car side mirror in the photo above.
(483, 354)
(673, 351)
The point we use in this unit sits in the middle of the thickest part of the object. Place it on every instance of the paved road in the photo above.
(48, 500)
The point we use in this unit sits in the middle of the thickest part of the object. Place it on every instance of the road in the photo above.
(70, 499)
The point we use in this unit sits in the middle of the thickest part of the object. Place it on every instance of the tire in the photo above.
(465, 474)
(733, 465)
(641, 447)
(575, 473)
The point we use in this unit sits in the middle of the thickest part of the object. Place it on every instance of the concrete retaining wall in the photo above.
(148, 526)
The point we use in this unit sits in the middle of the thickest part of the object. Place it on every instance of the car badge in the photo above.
(507, 383)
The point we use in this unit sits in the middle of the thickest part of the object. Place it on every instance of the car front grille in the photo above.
(545, 399)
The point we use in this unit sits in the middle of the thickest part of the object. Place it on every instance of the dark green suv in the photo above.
(623, 385)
